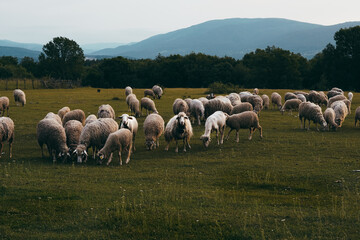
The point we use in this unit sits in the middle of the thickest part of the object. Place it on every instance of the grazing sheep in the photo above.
(289, 96)
(335, 98)
(216, 121)
(19, 97)
(54, 116)
(276, 100)
(148, 105)
(348, 105)
(244, 94)
(63, 111)
(333, 93)
(357, 115)
(311, 112)
(234, 98)
(341, 111)
(127, 99)
(291, 104)
(52, 134)
(130, 123)
(180, 105)
(76, 114)
(217, 104)
(90, 119)
(318, 98)
(203, 100)
(117, 141)
(244, 120)
(256, 91)
(266, 101)
(301, 97)
(329, 116)
(197, 110)
(106, 111)
(256, 101)
(179, 127)
(128, 90)
(242, 107)
(133, 104)
(210, 96)
(303, 93)
(158, 91)
(73, 130)
(188, 101)
(149, 92)
(6, 133)
(94, 135)
(153, 128)
(350, 96)
(4, 105)
(337, 90)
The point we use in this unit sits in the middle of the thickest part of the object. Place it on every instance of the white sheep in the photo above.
(76, 114)
(289, 95)
(197, 110)
(153, 129)
(149, 92)
(217, 104)
(329, 116)
(244, 120)
(311, 112)
(63, 111)
(7, 128)
(158, 91)
(291, 104)
(234, 98)
(117, 141)
(73, 129)
(128, 90)
(276, 100)
(244, 94)
(133, 104)
(341, 111)
(90, 119)
(335, 98)
(350, 96)
(203, 100)
(106, 111)
(333, 93)
(318, 98)
(54, 116)
(179, 127)
(301, 97)
(242, 107)
(4, 105)
(266, 101)
(256, 101)
(306, 95)
(256, 91)
(180, 105)
(130, 123)
(19, 97)
(357, 115)
(217, 122)
(148, 105)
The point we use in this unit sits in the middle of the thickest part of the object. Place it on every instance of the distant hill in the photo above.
(235, 38)
(19, 52)
(30, 46)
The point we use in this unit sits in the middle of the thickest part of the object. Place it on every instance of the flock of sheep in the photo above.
(70, 133)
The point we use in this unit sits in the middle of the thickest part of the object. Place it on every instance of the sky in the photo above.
(125, 21)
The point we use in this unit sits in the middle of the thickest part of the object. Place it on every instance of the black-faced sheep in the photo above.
(197, 110)
(76, 114)
(341, 111)
(19, 97)
(73, 129)
(276, 100)
(153, 129)
(6, 133)
(148, 105)
(4, 105)
(179, 127)
(242, 107)
(245, 120)
(180, 105)
(149, 92)
(217, 122)
(266, 101)
(158, 91)
(106, 111)
(329, 115)
(291, 104)
(311, 112)
(63, 111)
(128, 90)
(130, 123)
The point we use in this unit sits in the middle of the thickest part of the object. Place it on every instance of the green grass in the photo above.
(293, 184)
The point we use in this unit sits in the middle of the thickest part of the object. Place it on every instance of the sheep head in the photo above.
(81, 153)
(206, 140)
(181, 119)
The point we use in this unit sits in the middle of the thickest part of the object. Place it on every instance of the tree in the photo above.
(62, 58)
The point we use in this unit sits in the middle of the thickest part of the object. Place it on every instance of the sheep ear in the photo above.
(119, 117)
(74, 151)
(85, 153)
(131, 117)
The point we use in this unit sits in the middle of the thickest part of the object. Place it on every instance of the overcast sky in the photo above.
(91, 21)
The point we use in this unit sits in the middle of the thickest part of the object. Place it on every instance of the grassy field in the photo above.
(292, 184)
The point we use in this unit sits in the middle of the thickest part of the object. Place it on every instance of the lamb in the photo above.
(94, 135)
(117, 141)
(289, 96)
(311, 112)
(276, 100)
(301, 97)
(318, 98)
(341, 111)
(335, 98)
(350, 96)
(217, 104)
(216, 121)
(256, 91)
(180, 105)
(248, 119)
(128, 90)
(357, 115)
(54, 116)
(76, 114)
(179, 127)
(256, 101)
(52, 134)
(153, 128)
(158, 91)
(7, 128)
(234, 98)
(197, 110)
(106, 111)
(90, 118)
(291, 104)
(149, 105)
(130, 123)
(19, 97)
(242, 107)
(329, 116)
(266, 101)
(149, 92)
(133, 104)
(4, 105)
(63, 111)
(73, 130)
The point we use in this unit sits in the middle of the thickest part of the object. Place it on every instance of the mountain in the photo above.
(92, 47)
(19, 52)
(234, 37)
(30, 46)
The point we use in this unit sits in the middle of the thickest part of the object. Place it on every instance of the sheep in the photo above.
(348, 105)
(337, 90)
(244, 94)
(54, 116)
(149, 92)
(256, 101)
(90, 119)
(127, 99)
(266, 101)
(7, 129)
(158, 91)
(248, 119)
(217, 104)
(291, 104)
(210, 96)
(334, 99)
(318, 98)
(350, 96)
(63, 111)
(329, 116)
(203, 100)
(73, 130)
(256, 91)
(52, 134)
(133, 104)
(128, 90)
(301, 97)
(117, 141)
(357, 115)
(19, 97)
(153, 129)
(188, 101)
(180, 105)
(76, 114)
(276, 100)
(306, 95)
(106, 111)
(311, 112)
(216, 121)
(148, 105)
(4, 105)
(179, 127)
(242, 107)
(289, 95)
(130, 123)
(94, 135)
(341, 111)
(197, 110)
(234, 98)
(333, 93)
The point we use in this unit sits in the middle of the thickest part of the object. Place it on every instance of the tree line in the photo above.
(63, 59)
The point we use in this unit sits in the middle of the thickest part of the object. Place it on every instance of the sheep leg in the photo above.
(227, 136)
(129, 154)
(251, 133)
(308, 126)
(167, 146)
(184, 143)
(10, 148)
(198, 118)
(222, 131)
(217, 136)
(1, 147)
(177, 147)
(157, 143)
(42, 151)
(187, 141)
(237, 135)
(110, 159)
(260, 130)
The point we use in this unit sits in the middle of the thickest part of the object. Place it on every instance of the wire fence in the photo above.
(11, 84)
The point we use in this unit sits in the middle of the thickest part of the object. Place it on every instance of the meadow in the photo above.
(292, 184)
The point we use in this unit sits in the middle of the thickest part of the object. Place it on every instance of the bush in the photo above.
(222, 88)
